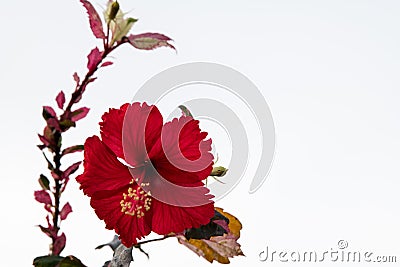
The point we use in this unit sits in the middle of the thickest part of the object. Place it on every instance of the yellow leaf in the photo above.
(218, 248)
(209, 253)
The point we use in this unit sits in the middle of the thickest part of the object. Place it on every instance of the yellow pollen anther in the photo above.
(136, 201)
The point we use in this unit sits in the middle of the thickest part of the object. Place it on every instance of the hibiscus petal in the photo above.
(168, 218)
(183, 195)
(107, 205)
(107, 208)
(111, 129)
(182, 156)
(141, 130)
(132, 228)
(103, 171)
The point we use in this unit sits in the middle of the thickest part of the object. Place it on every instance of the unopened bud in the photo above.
(219, 171)
(113, 11)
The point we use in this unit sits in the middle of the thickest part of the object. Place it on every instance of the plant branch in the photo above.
(57, 193)
(57, 155)
(154, 240)
(88, 76)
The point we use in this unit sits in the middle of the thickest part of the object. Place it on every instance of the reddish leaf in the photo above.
(66, 180)
(76, 78)
(94, 19)
(48, 112)
(149, 41)
(55, 175)
(84, 89)
(107, 63)
(234, 224)
(48, 222)
(42, 196)
(67, 209)
(223, 224)
(49, 230)
(60, 99)
(79, 114)
(45, 230)
(47, 138)
(53, 123)
(48, 134)
(48, 207)
(43, 139)
(94, 58)
(72, 149)
(59, 244)
(71, 169)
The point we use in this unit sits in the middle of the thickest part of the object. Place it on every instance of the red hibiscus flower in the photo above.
(144, 176)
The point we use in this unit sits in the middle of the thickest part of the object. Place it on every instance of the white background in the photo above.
(328, 69)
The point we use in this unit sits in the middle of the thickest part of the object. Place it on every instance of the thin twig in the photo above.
(153, 240)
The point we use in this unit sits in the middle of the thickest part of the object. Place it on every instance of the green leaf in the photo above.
(44, 182)
(67, 124)
(57, 261)
(71, 261)
(47, 261)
